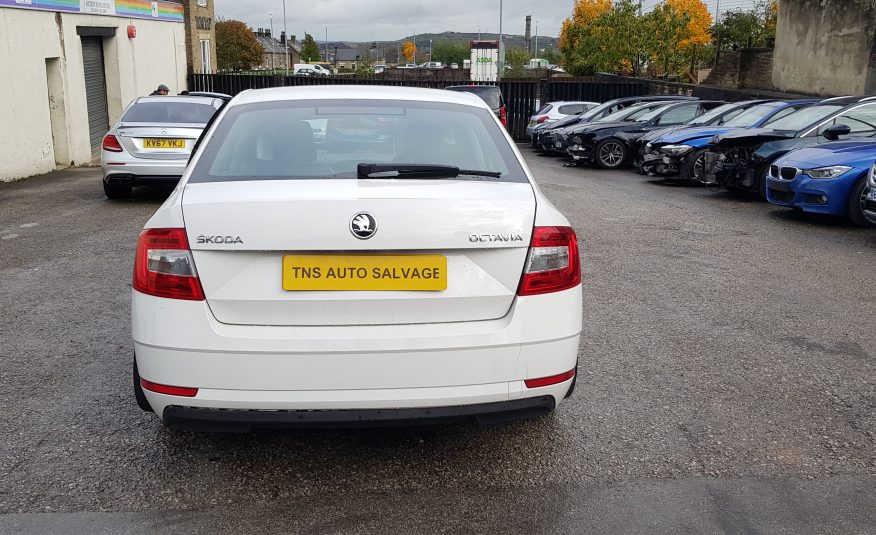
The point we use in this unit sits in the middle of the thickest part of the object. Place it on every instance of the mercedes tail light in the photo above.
(542, 119)
(164, 267)
(111, 143)
(503, 116)
(553, 264)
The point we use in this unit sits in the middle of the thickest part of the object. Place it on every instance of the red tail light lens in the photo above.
(180, 391)
(164, 267)
(542, 119)
(548, 381)
(503, 116)
(553, 264)
(111, 143)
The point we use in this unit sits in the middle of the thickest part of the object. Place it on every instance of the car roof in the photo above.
(190, 99)
(357, 92)
(565, 102)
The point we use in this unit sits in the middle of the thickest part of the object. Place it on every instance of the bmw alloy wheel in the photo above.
(611, 154)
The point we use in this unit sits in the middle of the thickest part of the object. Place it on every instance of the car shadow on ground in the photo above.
(822, 220)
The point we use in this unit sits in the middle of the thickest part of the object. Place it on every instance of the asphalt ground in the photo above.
(726, 386)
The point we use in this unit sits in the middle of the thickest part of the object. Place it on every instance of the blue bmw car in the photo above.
(681, 154)
(827, 179)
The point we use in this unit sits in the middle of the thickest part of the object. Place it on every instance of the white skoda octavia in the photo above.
(341, 255)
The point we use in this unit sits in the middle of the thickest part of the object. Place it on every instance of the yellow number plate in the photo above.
(364, 273)
(164, 143)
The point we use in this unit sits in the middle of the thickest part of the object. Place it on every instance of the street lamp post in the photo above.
(430, 50)
(271, 39)
(286, 37)
(501, 45)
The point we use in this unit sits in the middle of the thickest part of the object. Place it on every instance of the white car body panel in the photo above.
(496, 341)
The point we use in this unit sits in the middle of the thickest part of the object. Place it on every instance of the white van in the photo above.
(318, 69)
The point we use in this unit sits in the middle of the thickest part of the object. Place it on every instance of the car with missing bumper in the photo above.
(152, 142)
(420, 278)
(739, 159)
(826, 179)
(680, 154)
(611, 145)
(543, 137)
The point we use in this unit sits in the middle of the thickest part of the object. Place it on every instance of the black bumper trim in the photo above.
(142, 180)
(241, 420)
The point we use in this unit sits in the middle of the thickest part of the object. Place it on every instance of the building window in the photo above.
(206, 63)
(202, 3)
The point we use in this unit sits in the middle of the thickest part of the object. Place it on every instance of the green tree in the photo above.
(364, 66)
(515, 59)
(446, 52)
(551, 55)
(237, 48)
(309, 49)
(743, 28)
(668, 28)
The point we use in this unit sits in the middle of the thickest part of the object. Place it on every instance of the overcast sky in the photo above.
(385, 20)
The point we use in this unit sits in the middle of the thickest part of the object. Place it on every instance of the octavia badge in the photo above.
(363, 225)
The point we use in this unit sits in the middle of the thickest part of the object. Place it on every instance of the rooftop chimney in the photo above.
(268, 32)
(282, 38)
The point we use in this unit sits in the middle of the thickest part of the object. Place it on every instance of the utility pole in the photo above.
(640, 8)
(286, 38)
(271, 40)
(536, 39)
(718, 24)
(326, 44)
(501, 45)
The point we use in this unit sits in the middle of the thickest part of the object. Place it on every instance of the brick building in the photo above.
(200, 36)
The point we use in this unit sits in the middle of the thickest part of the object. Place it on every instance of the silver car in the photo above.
(152, 142)
(554, 111)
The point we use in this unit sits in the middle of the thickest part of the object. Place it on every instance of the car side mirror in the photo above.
(834, 132)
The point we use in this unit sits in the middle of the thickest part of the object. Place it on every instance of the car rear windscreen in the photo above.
(169, 113)
(313, 139)
(488, 93)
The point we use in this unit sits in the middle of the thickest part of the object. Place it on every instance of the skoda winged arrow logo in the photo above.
(363, 225)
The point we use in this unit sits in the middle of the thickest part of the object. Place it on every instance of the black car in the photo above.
(739, 159)
(610, 145)
(626, 115)
(543, 138)
(490, 94)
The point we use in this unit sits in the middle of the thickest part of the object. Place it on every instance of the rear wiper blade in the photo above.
(392, 170)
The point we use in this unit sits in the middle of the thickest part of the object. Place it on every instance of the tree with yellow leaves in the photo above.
(409, 50)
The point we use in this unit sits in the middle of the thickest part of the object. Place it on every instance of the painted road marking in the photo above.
(9, 236)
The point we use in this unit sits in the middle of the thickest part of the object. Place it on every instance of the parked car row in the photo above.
(810, 155)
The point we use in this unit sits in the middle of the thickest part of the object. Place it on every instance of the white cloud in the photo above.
(387, 20)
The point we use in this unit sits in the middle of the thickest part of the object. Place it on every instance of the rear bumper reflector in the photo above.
(180, 391)
(548, 381)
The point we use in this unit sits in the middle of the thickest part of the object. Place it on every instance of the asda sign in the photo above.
(485, 60)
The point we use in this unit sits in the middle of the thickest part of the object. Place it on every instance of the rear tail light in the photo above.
(164, 267)
(542, 119)
(553, 264)
(111, 143)
(548, 381)
(180, 391)
(503, 116)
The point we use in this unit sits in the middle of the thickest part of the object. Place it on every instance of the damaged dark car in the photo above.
(611, 145)
(739, 159)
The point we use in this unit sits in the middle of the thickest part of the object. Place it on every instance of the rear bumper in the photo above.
(205, 419)
(378, 367)
(139, 172)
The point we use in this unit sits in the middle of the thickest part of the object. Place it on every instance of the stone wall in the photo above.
(746, 68)
(826, 47)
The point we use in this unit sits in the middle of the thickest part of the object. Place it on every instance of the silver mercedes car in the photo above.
(151, 144)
